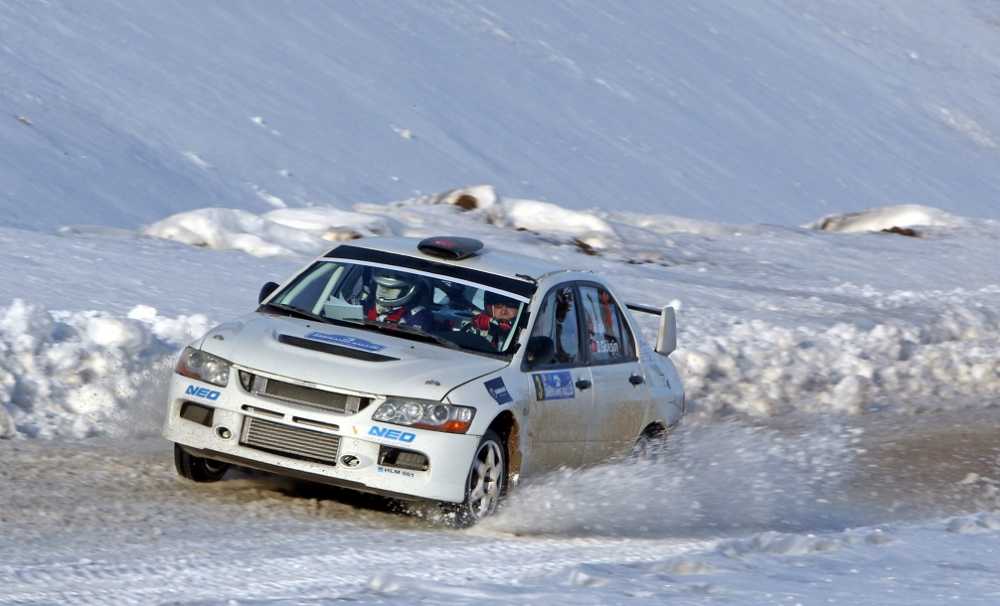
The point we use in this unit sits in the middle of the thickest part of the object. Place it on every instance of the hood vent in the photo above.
(337, 350)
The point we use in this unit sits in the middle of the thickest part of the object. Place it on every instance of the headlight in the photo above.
(203, 366)
(425, 414)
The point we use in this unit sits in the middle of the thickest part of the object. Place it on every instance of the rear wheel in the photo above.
(197, 469)
(485, 483)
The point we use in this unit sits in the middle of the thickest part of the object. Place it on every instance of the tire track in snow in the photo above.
(237, 541)
(191, 579)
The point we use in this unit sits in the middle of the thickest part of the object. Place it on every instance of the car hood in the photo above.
(337, 356)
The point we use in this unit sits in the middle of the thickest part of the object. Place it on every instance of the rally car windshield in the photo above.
(449, 312)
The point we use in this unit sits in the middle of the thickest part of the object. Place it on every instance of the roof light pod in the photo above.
(453, 248)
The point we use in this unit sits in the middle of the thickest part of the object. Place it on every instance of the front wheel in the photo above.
(485, 483)
(650, 445)
(197, 469)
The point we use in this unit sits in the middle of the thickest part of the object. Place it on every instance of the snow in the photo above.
(122, 114)
(826, 346)
(879, 219)
(271, 542)
(284, 231)
(840, 384)
(547, 217)
(77, 374)
(739, 162)
(765, 370)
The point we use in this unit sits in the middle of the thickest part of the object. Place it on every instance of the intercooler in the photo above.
(290, 441)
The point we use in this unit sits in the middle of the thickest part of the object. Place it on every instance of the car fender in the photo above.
(665, 388)
(492, 395)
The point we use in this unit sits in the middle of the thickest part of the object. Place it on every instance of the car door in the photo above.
(621, 395)
(561, 397)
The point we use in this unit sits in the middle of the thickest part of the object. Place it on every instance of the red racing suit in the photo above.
(417, 317)
(493, 330)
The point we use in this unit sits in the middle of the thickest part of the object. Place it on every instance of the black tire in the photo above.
(197, 469)
(486, 483)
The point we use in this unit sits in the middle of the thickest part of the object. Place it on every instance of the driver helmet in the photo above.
(394, 290)
(491, 298)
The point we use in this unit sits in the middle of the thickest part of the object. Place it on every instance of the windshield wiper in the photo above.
(301, 313)
(412, 332)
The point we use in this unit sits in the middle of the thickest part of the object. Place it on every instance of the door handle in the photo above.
(636, 380)
(582, 384)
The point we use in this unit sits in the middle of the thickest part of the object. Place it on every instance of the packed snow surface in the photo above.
(111, 524)
(768, 112)
(165, 160)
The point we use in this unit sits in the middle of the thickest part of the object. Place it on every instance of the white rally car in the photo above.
(434, 369)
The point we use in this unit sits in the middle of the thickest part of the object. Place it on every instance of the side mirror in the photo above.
(666, 339)
(266, 290)
(539, 349)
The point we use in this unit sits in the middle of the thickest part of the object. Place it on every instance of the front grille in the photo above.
(328, 401)
(290, 441)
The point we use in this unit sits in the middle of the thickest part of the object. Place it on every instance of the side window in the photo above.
(607, 336)
(316, 282)
(352, 286)
(557, 319)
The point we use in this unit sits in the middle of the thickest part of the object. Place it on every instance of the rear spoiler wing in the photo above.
(666, 338)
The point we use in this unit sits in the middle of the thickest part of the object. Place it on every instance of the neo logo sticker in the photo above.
(202, 392)
(345, 340)
(553, 385)
(392, 434)
(498, 391)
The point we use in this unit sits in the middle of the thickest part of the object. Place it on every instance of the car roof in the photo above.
(488, 259)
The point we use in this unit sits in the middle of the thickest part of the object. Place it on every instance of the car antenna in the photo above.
(526, 277)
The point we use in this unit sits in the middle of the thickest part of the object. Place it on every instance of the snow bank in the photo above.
(331, 224)
(308, 231)
(671, 224)
(305, 231)
(477, 211)
(476, 197)
(546, 217)
(980, 523)
(885, 218)
(762, 369)
(88, 373)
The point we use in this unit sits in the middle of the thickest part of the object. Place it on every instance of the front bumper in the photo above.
(448, 455)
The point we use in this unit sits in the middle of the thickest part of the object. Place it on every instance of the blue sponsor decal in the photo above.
(345, 340)
(554, 385)
(392, 434)
(202, 392)
(498, 391)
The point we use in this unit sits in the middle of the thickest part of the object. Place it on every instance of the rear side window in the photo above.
(557, 319)
(606, 336)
